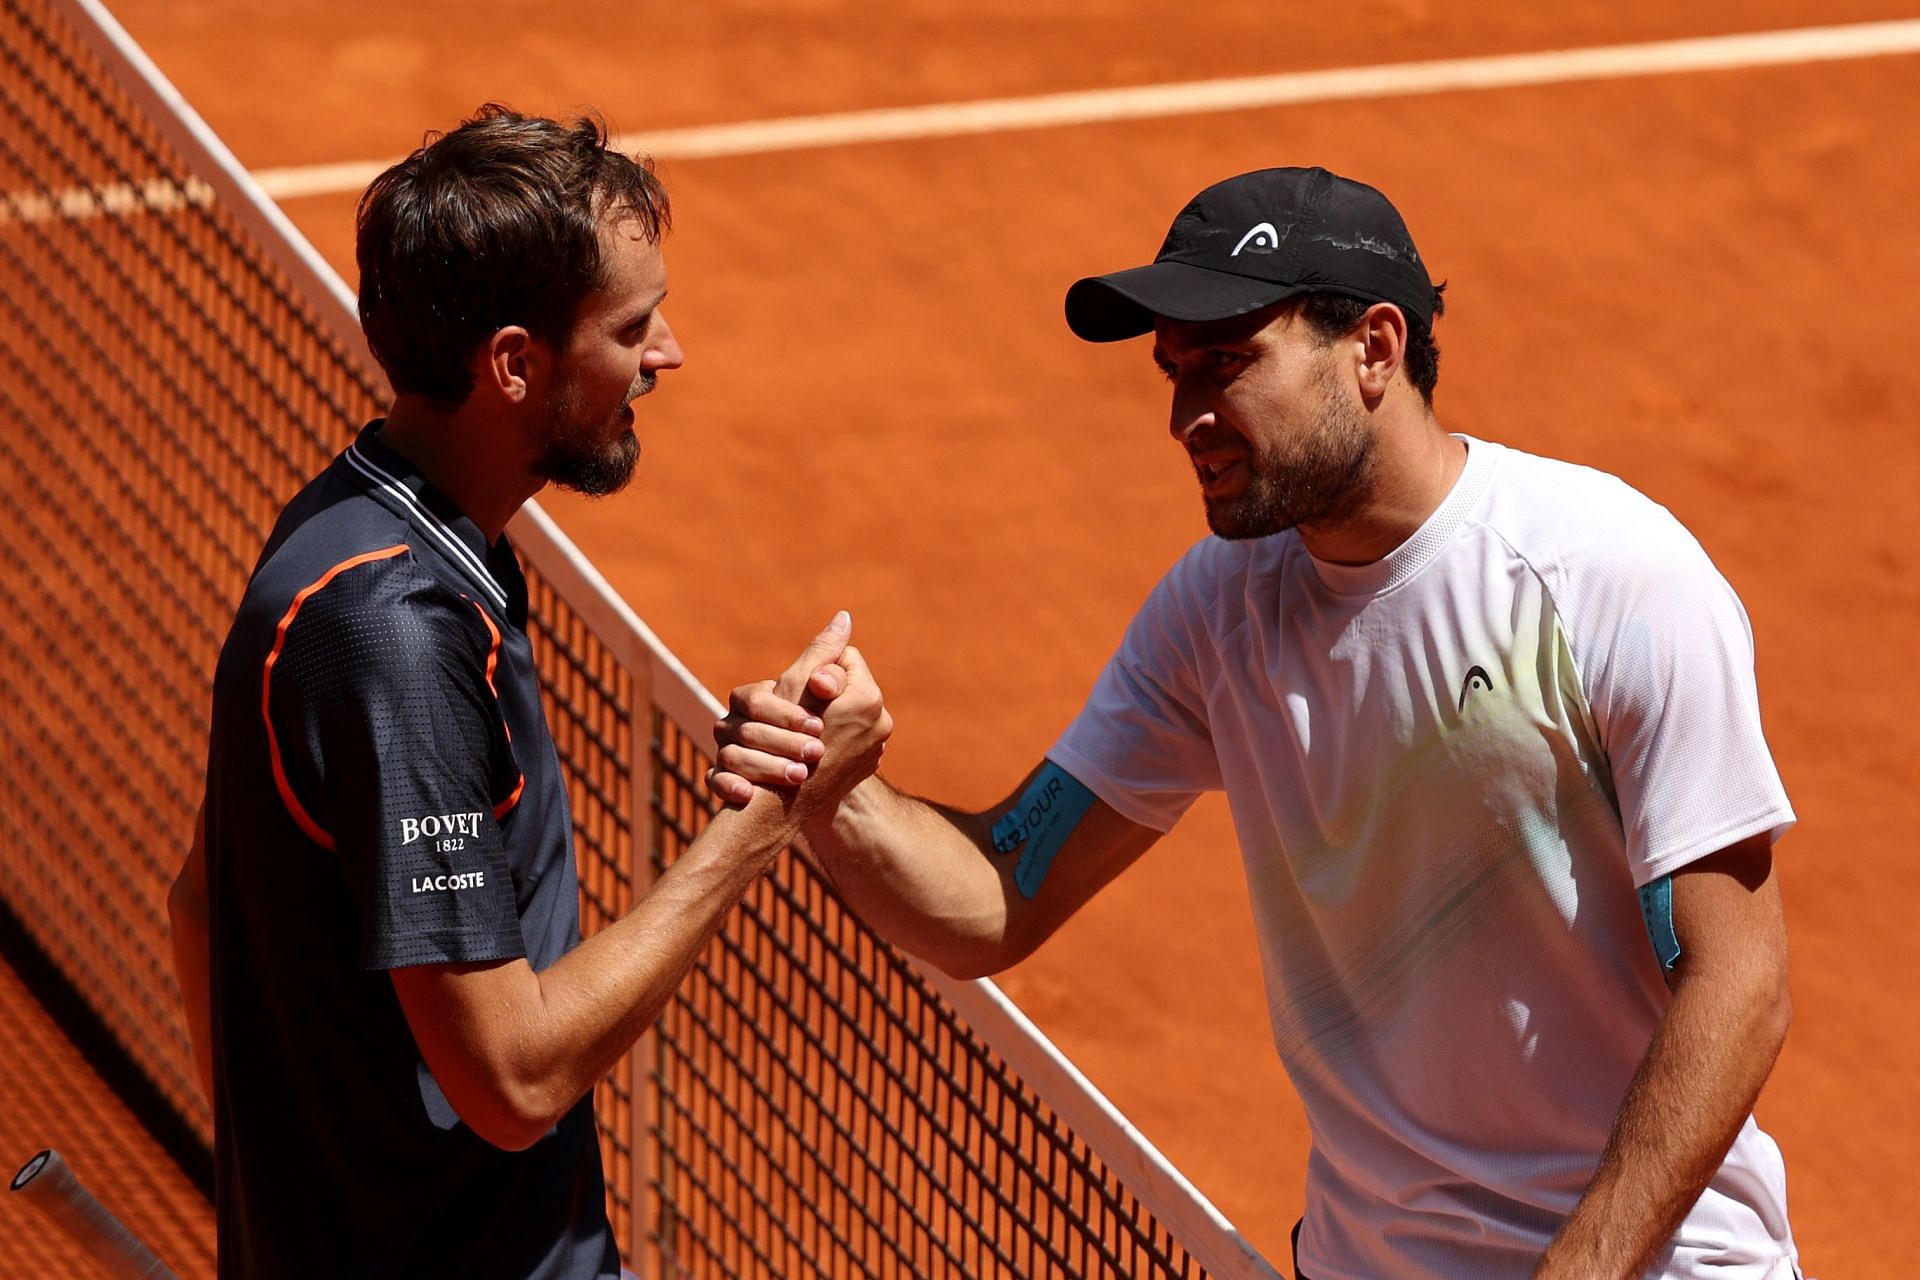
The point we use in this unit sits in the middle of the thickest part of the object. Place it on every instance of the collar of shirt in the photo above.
(396, 483)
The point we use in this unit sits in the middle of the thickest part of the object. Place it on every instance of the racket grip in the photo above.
(50, 1186)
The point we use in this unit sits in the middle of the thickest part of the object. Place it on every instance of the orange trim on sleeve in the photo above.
(314, 831)
(506, 806)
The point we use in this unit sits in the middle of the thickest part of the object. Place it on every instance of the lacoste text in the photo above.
(440, 884)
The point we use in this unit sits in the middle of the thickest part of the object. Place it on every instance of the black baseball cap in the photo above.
(1255, 240)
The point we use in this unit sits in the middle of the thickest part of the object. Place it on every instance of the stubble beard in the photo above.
(1319, 480)
(576, 455)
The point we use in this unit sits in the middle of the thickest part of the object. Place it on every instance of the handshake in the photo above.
(810, 736)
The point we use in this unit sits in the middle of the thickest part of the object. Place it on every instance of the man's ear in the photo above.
(509, 364)
(1382, 338)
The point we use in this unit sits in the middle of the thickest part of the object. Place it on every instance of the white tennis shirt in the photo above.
(1449, 771)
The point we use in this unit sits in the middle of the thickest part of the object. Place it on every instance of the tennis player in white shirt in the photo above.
(1489, 730)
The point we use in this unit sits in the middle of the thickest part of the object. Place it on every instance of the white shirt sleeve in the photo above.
(1142, 743)
(1666, 659)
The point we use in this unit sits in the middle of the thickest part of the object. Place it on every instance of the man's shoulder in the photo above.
(384, 609)
(1214, 563)
(1203, 593)
(1567, 519)
(350, 581)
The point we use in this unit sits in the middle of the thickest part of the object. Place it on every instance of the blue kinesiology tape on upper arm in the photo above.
(1656, 908)
(1040, 821)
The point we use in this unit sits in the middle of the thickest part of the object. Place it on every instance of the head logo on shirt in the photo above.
(1477, 681)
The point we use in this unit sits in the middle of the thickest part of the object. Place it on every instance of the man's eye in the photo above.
(1169, 372)
(1225, 359)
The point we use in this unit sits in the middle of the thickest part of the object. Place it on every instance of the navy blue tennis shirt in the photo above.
(382, 791)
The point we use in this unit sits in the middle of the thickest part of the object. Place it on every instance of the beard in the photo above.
(1319, 477)
(576, 450)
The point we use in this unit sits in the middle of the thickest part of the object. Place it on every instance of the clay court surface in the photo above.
(1707, 283)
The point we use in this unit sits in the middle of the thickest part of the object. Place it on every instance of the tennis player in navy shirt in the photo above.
(377, 929)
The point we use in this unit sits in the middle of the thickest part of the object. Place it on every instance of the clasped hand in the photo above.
(816, 732)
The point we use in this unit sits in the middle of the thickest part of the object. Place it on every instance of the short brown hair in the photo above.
(1333, 315)
(496, 223)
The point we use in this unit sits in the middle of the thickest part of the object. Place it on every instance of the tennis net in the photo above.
(811, 1102)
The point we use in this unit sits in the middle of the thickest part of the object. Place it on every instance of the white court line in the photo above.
(1054, 110)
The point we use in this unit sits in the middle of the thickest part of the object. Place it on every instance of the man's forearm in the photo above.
(1693, 1091)
(919, 874)
(514, 1049)
(559, 1031)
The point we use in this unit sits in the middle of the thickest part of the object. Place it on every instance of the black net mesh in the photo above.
(167, 393)
(823, 1111)
(806, 1106)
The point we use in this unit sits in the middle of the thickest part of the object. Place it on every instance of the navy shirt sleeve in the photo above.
(391, 752)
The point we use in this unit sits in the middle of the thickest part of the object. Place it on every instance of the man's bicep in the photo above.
(190, 929)
(469, 1022)
(189, 890)
(1057, 844)
(1727, 913)
(1104, 845)
(458, 1011)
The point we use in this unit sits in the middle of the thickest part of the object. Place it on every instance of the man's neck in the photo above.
(465, 460)
(1414, 468)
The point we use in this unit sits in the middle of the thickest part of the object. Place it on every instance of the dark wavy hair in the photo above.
(1333, 315)
(496, 223)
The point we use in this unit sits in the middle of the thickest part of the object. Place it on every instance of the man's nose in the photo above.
(1188, 416)
(664, 352)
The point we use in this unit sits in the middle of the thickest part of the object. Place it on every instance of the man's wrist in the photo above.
(865, 800)
(762, 827)
(1583, 1250)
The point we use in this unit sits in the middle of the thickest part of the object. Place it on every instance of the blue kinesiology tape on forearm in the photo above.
(1039, 823)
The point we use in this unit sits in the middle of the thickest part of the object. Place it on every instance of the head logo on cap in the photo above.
(1262, 239)
(1342, 237)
